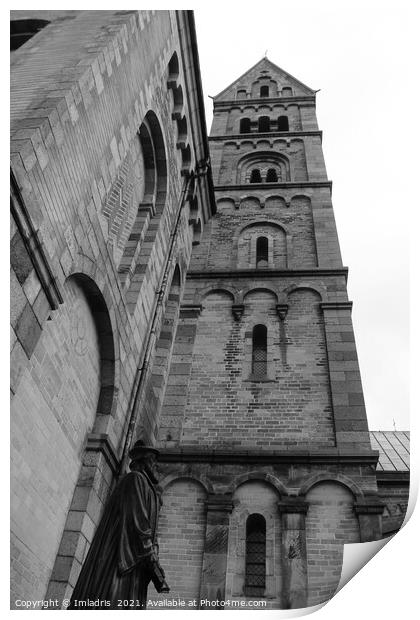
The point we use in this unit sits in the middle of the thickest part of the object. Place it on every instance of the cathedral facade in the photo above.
(190, 291)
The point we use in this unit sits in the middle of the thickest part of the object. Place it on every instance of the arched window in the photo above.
(245, 125)
(255, 176)
(173, 67)
(152, 202)
(241, 94)
(21, 30)
(283, 123)
(262, 252)
(264, 91)
(287, 92)
(255, 556)
(263, 124)
(259, 351)
(272, 176)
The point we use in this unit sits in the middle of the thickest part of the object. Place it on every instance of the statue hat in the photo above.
(140, 449)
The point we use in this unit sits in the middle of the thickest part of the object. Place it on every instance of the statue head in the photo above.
(143, 457)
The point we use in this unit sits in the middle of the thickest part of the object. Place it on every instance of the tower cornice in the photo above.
(268, 273)
(271, 134)
(269, 457)
(262, 186)
(266, 100)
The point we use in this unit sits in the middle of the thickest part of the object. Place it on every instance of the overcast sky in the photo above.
(356, 53)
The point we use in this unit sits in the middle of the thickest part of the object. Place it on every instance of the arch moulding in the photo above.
(329, 477)
(259, 476)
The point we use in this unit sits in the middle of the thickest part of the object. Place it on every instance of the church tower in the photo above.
(267, 468)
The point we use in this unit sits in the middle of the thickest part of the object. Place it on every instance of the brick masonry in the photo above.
(220, 425)
(330, 524)
(182, 528)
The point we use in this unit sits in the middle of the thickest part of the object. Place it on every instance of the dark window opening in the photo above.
(262, 252)
(264, 91)
(283, 123)
(21, 30)
(245, 125)
(173, 66)
(255, 176)
(263, 124)
(255, 555)
(272, 176)
(259, 351)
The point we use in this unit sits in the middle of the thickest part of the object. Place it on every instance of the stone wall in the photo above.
(101, 136)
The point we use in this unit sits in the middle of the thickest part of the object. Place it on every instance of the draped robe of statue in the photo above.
(118, 562)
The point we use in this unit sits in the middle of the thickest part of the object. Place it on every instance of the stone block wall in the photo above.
(82, 89)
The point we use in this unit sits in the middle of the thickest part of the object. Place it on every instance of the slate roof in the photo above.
(394, 449)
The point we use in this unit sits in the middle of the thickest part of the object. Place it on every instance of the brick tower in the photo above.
(267, 467)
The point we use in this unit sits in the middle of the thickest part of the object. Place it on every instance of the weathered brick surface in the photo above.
(239, 157)
(395, 498)
(258, 109)
(233, 229)
(182, 527)
(308, 219)
(330, 524)
(291, 407)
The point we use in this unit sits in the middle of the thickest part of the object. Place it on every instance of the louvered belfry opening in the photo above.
(259, 351)
(272, 175)
(255, 176)
(255, 556)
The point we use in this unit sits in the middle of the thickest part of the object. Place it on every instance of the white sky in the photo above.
(356, 54)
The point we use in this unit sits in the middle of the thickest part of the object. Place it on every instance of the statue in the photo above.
(123, 557)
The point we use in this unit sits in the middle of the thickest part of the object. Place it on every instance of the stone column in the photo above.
(293, 552)
(369, 512)
(213, 578)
